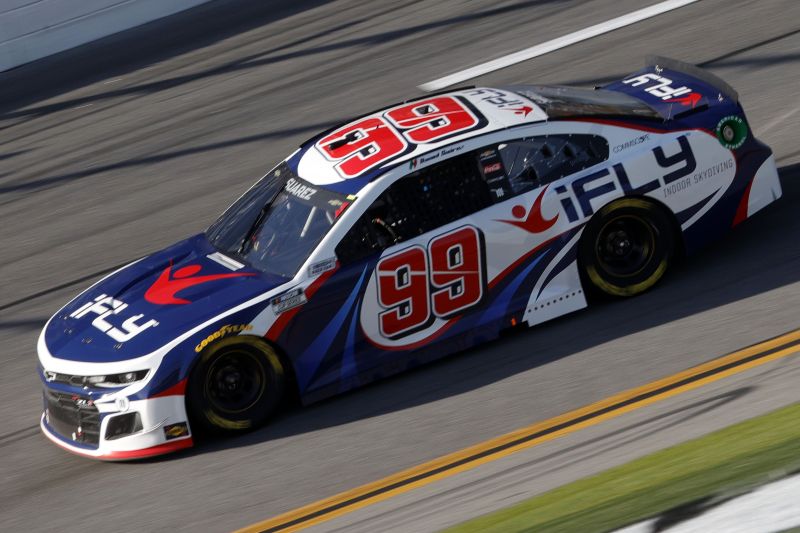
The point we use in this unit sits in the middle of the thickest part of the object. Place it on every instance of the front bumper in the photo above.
(115, 455)
(83, 422)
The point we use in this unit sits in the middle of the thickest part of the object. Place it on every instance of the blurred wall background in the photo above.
(32, 29)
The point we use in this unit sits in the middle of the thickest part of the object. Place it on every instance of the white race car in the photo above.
(400, 237)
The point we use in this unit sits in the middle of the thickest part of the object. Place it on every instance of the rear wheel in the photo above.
(235, 386)
(627, 247)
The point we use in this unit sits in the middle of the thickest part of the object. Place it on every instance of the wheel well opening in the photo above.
(291, 387)
(292, 390)
(679, 249)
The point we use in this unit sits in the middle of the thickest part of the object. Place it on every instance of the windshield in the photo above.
(276, 225)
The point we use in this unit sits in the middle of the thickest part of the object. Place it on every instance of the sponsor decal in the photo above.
(222, 332)
(713, 170)
(487, 154)
(288, 300)
(295, 188)
(104, 307)
(731, 132)
(122, 403)
(82, 402)
(322, 266)
(631, 143)
(493, 173)
(494, 167)
(173, 431)
(677, 186)
(225, 261)
(689, 100)
(661, 87)
(532, 221)
(674, 167)
(524, 110)
(698, 177)
(163, 291)
(341, 209)
(340, 206)
(502, 100)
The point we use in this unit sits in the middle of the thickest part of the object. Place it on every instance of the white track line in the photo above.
(774, 122)
(555, 44)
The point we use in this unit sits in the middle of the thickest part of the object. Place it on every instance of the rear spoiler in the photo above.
(693, 71)
(674, 88)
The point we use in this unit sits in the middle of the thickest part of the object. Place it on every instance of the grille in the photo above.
(68, 379)
(73, 416)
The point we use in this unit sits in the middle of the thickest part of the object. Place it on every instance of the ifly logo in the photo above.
(532, 221)
(661, 87)
(584, 190)
(165, 288)
(105, 307)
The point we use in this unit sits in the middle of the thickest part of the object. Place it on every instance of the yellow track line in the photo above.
(526, 437)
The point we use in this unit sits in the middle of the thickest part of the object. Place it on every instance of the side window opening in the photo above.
(536, 161)
(415, 204)
(457, 187)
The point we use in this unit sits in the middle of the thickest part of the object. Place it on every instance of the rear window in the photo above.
(562, 102)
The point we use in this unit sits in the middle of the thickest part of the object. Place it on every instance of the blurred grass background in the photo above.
(730, 461)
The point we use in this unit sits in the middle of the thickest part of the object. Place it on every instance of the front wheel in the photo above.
(236, 385)
(626, 247)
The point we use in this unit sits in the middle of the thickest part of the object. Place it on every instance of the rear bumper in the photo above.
(765, 187)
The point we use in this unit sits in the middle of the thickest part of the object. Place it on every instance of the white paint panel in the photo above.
(500, 109)
(563, 294)
(766, 187)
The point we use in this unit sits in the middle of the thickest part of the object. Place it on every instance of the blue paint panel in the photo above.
(345, 367)
(500, 307)
(78, 340)
(307, 364)
(701, 94)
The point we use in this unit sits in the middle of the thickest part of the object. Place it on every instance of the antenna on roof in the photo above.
(347, 139)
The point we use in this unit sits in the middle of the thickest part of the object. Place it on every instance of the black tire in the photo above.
(235, 386)
(626, 247)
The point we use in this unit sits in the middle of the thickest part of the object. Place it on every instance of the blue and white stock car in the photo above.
(403, 236)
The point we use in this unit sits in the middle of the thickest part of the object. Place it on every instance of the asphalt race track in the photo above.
(120, 148)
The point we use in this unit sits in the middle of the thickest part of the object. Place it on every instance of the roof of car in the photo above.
(485, 110)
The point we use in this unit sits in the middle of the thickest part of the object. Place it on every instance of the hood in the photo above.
(147, 304)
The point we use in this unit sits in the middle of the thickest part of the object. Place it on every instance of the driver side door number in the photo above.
(418, 284)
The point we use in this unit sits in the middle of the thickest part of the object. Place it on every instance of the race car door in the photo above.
(414, 262)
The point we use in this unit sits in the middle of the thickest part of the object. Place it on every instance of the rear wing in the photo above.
(674, 88)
